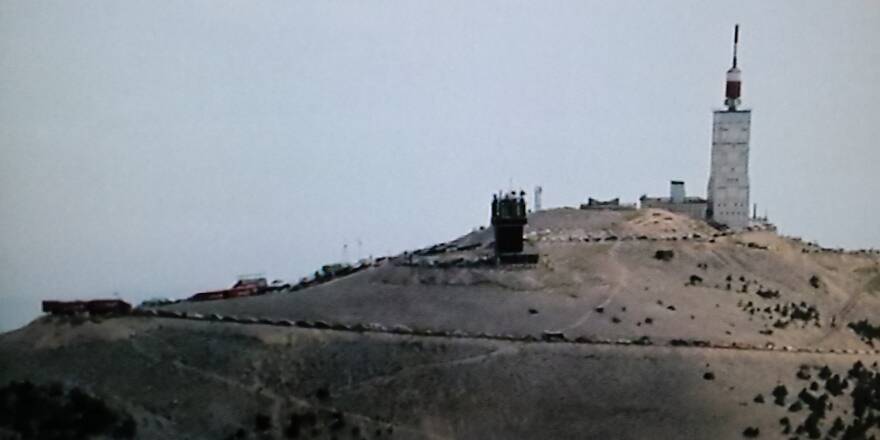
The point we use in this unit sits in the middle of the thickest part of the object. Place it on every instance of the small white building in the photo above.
(678, 201)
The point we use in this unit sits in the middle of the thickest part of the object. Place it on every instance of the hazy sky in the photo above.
(160, 148)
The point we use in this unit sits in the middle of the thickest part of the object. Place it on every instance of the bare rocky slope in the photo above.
(634, 324)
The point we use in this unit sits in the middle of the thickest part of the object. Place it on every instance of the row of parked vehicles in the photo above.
(92, 307)
(247, 285)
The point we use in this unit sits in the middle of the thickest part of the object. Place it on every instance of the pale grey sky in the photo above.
(163, 147)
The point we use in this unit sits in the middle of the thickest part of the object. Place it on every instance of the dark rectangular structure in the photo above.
(509, 218)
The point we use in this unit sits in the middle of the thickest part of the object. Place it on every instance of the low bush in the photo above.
(664, 255)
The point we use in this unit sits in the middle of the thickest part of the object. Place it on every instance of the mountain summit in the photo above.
(632, 324)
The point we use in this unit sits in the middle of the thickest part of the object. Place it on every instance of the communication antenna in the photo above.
(735, 43)
(733, 88)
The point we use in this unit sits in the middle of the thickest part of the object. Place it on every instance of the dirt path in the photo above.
(499, 351)
(839, 318)
(618, 281)
(532, 339)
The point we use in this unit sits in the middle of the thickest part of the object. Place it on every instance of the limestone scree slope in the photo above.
(633, 325)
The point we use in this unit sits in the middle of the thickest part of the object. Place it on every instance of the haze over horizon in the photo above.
(163, 148)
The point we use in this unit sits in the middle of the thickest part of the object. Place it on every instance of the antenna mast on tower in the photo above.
(735, 43)
(734, 78)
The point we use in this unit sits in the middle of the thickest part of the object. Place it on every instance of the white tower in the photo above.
(728, 192)
(538, 191)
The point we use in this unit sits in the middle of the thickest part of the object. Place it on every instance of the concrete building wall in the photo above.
(693, 208)
(676, 191)
(728, 192)
(613, 204)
